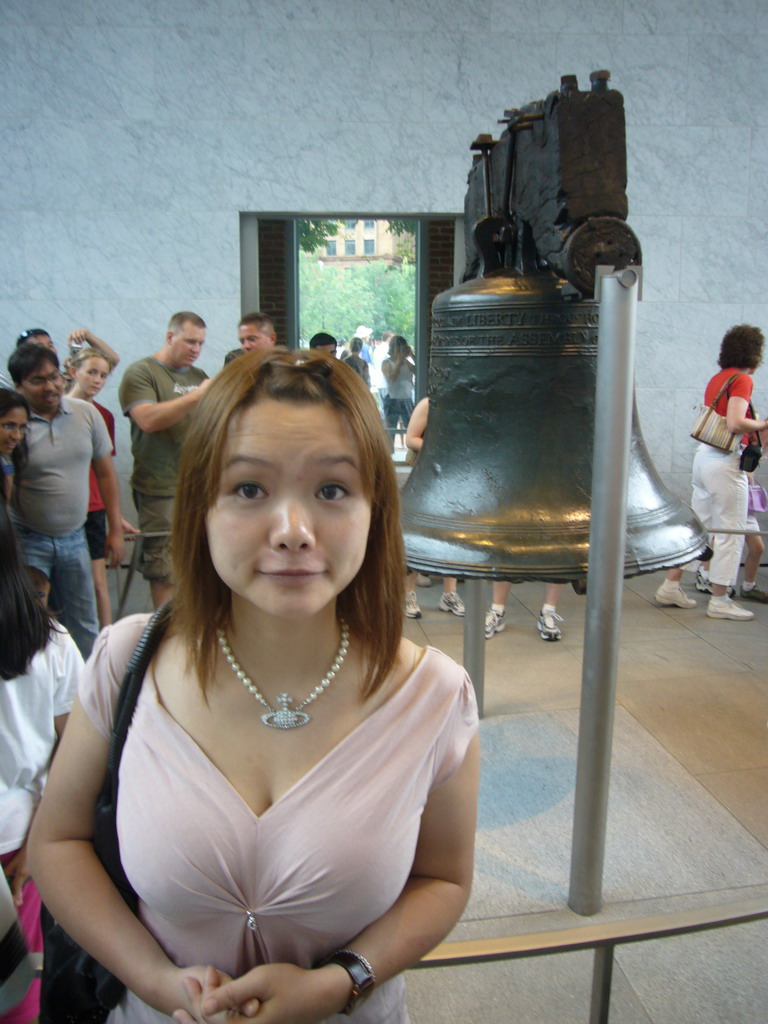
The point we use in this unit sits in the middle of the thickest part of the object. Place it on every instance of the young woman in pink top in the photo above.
(298, 786)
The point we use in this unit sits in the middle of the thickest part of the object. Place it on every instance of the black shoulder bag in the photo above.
(76, 989)
(751, 455)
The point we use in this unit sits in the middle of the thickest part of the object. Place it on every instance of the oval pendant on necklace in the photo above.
(285, 717)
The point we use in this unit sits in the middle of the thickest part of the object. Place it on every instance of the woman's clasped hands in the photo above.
(275, 993)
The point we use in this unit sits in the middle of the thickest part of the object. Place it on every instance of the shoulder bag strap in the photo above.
(131, 687)
(725, 387)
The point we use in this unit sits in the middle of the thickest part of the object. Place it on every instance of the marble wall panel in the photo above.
(676, 339)
(107, 256)
(554, 16)
(660, 241)
(651, 79)
(684, 171)
(757, 313)
(726, 80)
(424, 16)
(8, 95)
(722, 259)
(384, 15)
(80, 12)
(82, 72)
(47, 165)
(465, 78)
(758, 187)
(661, 17)
(334, 167)
(656, 413)
(12, 257)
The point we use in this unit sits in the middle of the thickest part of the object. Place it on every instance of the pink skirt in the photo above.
(29, 919)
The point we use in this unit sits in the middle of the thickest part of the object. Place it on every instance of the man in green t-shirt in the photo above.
(157, 394)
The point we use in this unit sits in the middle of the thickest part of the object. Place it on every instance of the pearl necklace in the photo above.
(284, 717)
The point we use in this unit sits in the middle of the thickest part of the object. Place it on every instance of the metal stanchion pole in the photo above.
(613, 425)
(474, 636)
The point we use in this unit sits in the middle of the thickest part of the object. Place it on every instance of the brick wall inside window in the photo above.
(440, 235)
(274, 247)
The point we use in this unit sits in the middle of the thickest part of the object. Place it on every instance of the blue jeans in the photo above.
(67, 564)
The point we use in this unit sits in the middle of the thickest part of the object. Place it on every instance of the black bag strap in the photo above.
(130, 689)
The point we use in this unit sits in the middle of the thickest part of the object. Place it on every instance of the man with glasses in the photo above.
(65, 437)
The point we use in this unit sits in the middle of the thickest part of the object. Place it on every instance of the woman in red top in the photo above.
(720, 486)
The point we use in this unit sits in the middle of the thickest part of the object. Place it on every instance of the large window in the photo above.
(371, 282)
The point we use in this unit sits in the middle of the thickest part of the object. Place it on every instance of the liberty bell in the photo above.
(502, 486)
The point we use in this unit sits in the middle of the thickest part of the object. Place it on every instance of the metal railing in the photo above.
(603, 938)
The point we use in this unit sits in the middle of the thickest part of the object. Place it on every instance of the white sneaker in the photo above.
(702, 582)
(547, 625)
(451, 603)
(728, 609)
(494, 623)
(423, 581)
(672, 595)
(412, 610)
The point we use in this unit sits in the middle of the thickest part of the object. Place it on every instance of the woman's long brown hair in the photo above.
(372, 603)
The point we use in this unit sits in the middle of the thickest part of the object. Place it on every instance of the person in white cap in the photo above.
(378, 351)
(364, 334)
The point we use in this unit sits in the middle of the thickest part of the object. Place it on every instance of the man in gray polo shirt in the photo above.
(50, 499)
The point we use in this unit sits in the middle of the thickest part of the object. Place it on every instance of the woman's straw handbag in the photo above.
(711, 428)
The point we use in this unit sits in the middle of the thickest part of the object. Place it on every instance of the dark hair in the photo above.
(355, 345)
(741, 348)
(397, 341)
(29, 336)
(372, 603)
(14, 400)
(24, 360)
(27, 626)
(177, 321)
(256, 320)
(321, 338)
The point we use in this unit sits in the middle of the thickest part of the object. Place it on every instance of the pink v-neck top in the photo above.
(221, 885)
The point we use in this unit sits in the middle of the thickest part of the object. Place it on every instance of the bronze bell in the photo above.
(495, 495)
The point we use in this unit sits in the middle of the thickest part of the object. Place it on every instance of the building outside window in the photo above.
(330, 249)
(369, 247)
(369, 225)
(349, 247)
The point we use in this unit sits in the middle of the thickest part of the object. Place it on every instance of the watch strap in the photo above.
(359, 970)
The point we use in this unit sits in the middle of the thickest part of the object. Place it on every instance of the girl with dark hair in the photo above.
(399, 370)
(720, 485)
(14, 416)
(298, 786)
(39, 664)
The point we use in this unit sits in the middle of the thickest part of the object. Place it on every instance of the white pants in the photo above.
(720, 494)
